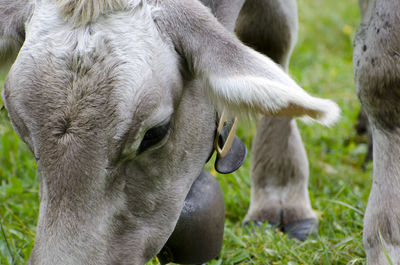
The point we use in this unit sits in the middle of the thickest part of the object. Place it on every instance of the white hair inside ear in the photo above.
(252, 95)
(260, 86)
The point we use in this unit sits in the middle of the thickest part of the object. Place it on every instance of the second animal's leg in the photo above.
(377, 73)
(279, 166)
(363, 127)
(227, 12)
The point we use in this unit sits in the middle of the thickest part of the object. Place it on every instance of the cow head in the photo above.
(116, 99)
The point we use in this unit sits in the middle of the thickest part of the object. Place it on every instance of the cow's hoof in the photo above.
(299, 230)
(302, 229)
(198, 235)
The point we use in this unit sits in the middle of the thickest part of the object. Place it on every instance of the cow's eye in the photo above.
(153, 136)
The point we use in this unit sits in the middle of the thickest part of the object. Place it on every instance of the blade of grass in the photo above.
(348, 206)
(384, 249)
(7, 244)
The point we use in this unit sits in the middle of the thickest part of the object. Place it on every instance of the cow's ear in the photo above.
(238, 78)
(13, 16)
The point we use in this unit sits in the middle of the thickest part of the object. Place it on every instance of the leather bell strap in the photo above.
(227, 144)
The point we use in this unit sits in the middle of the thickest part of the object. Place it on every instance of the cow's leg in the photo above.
(227, 11)
(362, 128)
(377, 75)
(279, 166)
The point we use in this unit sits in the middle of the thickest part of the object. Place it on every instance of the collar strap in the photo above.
(232, 124)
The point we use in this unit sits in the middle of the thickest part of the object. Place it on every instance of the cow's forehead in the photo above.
(120, 67)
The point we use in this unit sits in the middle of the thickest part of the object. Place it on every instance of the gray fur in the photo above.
(279, 166)
(82, 98)
(82, 12)
(279, 174)
(95, 208)
(270, 27)
(227, 12)
(13, 16)
(377, 73)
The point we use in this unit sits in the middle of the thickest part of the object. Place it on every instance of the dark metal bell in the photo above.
(198, 235)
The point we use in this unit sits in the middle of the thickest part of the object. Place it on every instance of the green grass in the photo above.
(339, 188)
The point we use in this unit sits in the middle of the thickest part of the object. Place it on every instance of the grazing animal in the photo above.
(377, 72)
(117, 101)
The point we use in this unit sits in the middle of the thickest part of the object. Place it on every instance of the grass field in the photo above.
(322, 64)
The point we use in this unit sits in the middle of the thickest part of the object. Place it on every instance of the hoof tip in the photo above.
(302, 229)
(299, 230)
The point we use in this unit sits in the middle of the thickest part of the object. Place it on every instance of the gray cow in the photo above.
(116, 100)
(377, 72)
